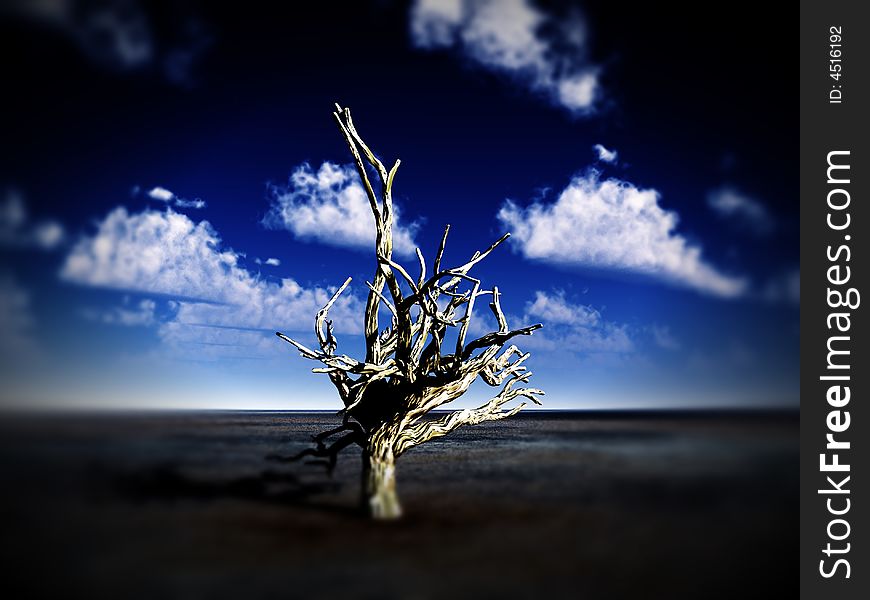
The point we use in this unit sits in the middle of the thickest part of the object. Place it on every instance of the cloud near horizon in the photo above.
(16, 321)
(571, 327)
(214, 297)
(330, 206)
(613, 225)
(664, 338)
(141, 314)
(508, 36)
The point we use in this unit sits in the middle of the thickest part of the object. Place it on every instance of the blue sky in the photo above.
(173, 189)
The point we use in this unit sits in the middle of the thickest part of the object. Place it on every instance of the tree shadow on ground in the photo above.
(167, 482)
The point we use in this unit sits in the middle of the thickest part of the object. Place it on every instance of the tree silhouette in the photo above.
(408, 372)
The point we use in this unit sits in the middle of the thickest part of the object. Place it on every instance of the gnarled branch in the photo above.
(407, 372)
(426, 430)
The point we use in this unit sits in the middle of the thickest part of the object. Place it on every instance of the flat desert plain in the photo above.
(577, 504)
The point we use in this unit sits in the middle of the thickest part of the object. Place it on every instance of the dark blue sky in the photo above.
(664, 277)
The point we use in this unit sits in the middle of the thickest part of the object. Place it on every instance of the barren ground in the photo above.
(583, 505)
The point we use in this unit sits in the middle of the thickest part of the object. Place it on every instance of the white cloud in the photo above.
(434, 23)
(573, 327)
(605, 155)
(553, 308)
(156, 251)
(140, 315)
(271, 262)
(578, 92)
(197, 203)
(164, 252)
(119, 35)
(13, 215)
(16, 230)
(330, 206)
(582, 329)
(196, 343)
(210, 331)
(612, 224)
(16, 320)
(161, 194)
(48, 235)
(663, 337)
(507, 36)
(785, 287)
(729, 203)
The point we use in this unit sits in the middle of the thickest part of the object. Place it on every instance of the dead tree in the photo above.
(407, 371)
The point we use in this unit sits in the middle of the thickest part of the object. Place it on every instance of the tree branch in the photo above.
(405, 373)
(327, 341)
(424, 431)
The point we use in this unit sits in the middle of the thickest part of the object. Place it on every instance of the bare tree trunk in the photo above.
(379, 478)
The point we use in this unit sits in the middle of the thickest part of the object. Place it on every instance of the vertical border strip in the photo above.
(835, 224)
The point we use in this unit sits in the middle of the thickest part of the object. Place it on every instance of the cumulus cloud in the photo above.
(731, 204)
(330, 206)
(612, 224)
(17, 231)
(573, 327)
(605, 155)
(155, 251)
(164, 252)
(509, 36)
